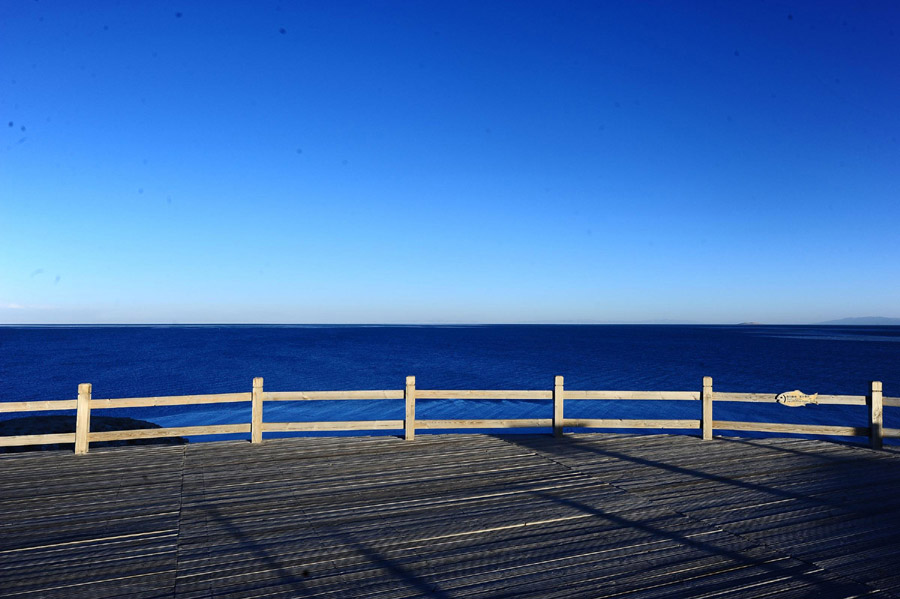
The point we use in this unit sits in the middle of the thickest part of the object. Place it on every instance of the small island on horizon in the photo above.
(864, 320)
(853, 321)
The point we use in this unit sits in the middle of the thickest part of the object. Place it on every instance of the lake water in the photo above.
(48, 362)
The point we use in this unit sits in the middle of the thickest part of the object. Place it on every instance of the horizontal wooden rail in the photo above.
(171, 400)
(624, 423)
(836, 400)
(799, 429)
(38, 406)
(482, 394)
(19, 440)
(181, 431)
(558, 395)
(331, 395)
(338, 425)
(637, 395)
(489, 423)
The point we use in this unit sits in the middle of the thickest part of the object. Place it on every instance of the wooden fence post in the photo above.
(409, 423)
(874, 401)
(256, 411)
(706, 397)
(82, 418)
(558, 400)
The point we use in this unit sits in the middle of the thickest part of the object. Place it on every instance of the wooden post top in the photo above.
(410, 380)
(258, 381)
(707, 381)
(86, 388)
(876, 385)
(558, 381)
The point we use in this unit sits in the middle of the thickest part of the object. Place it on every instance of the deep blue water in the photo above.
(41, 363)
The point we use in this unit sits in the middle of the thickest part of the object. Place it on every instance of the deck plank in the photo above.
(587, 515)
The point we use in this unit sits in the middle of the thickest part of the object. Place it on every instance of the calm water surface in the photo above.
(40, 363)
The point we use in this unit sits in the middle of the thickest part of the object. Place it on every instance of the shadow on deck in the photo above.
(591, 515)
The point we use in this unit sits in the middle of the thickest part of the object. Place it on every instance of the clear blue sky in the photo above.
(448, 161)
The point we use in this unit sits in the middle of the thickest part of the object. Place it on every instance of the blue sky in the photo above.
(309, 162)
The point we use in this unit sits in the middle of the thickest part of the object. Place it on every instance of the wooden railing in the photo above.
(85, 404)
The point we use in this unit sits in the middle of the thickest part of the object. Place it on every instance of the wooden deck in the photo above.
(454, 516)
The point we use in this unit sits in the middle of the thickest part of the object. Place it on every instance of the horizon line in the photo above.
(426, 323)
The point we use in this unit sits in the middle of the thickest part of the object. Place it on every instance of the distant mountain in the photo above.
(865, 320)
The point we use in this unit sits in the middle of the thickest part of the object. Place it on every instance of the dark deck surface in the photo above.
(454, 516)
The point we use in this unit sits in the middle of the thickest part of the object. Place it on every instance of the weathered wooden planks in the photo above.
(172, 400)
(409, 404)
(484, 423)
(590, 515)
(256, 411)
(634, 395)
(630, 423)
(558, 395)
(38, 406)
(331, 395)
(834, 400)
(19, 440)
(559, 398)
(800, 429)
(338, 425)
(891, 433)
(874, 401)
(83, 419)
(706, 406)
(118, 538)
(482, 394)
(181, 431)
(812, 500)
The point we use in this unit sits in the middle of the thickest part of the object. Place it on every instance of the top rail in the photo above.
(638, 395)
(482, 394)
(331, 395)
(37, 406)
(169, 400)
(835, 400)
(179, 400)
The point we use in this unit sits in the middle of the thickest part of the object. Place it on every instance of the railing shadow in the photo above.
(567, 445)
(823, 586)
(843, 491)
(755, 442)
(284, 576)
(421, 586)
(760, 560)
